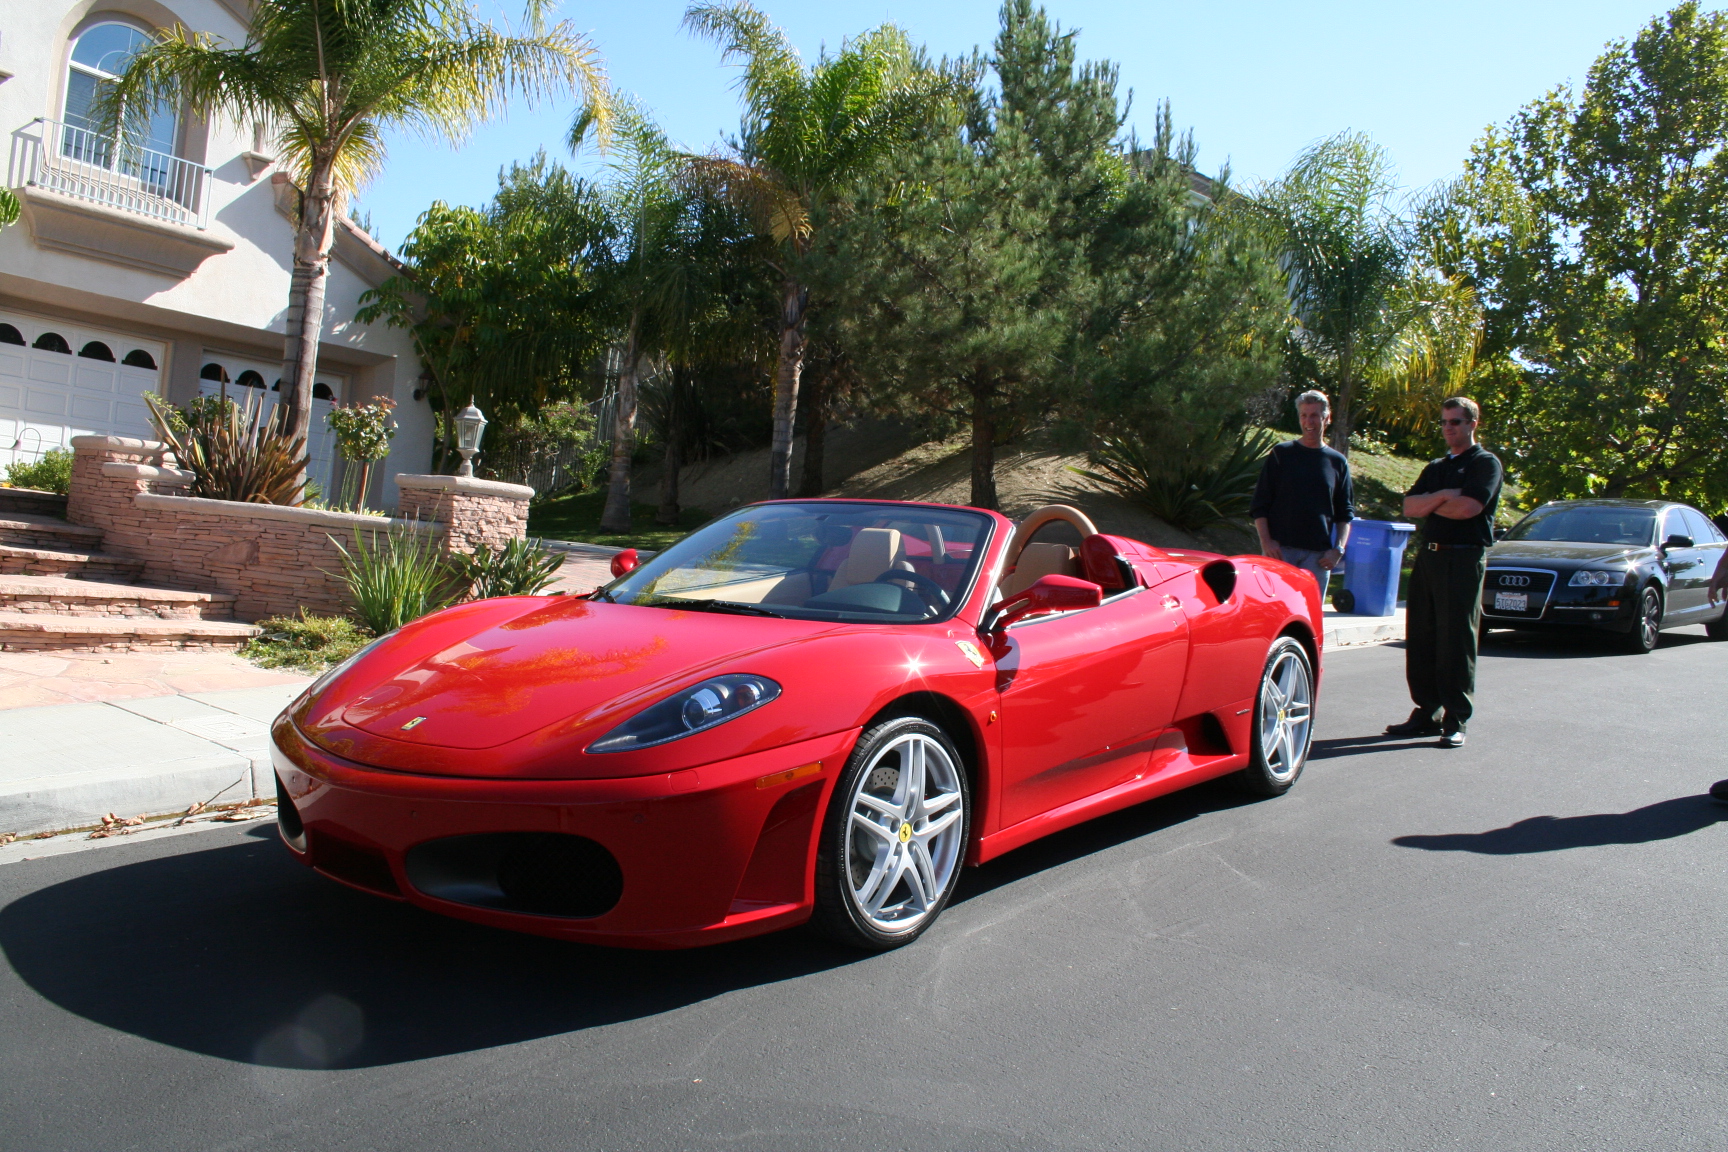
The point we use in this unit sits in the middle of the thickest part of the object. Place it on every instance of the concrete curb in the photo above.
(1349, 631)
(75, 762)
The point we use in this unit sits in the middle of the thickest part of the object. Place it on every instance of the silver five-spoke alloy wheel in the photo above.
(1284, 719)
(903, 842)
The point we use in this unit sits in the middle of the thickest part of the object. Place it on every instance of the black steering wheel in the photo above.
(935, 597)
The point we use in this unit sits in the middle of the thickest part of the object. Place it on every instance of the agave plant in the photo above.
(520, 568)
(233, 452)
(1214, 484)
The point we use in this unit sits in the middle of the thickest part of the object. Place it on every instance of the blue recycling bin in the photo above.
(1371, 565)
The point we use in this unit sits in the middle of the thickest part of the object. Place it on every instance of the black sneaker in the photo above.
(1719, 791)
(1452, 739)
(1417, 725)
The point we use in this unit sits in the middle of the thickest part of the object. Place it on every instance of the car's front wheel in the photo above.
(1647, 625)
(894, 837)
(1283, 720)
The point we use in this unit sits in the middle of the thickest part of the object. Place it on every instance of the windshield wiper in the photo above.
(731, 606)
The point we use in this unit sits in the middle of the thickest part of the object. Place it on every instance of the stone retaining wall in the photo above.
(275, 560)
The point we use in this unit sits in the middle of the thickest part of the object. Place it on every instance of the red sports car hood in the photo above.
(493, 672)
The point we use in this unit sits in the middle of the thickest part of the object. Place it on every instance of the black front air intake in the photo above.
(540, 873)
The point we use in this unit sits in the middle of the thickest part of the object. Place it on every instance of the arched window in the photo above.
(276, 387)
(53, 342)
(249, 379)
(96, 350)
(100, 54)
(322, 392)
(213, 372)
(138, 358)
(10, 335)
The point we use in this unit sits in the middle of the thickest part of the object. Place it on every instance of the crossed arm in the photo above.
(1448, 502)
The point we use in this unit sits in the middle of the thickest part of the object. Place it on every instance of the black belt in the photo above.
(1438, 547)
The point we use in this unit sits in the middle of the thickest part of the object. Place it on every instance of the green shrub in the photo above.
(305, 642)
(52, 473)
(394, 578)
(520, 568)
(1215, 484)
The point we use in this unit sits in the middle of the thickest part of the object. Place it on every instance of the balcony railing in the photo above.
(104, 170)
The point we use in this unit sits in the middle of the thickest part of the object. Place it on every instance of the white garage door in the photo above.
(249, 379)
(60, 380)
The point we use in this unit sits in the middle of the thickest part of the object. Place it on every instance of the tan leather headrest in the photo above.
(873, 552)
(1038, 561)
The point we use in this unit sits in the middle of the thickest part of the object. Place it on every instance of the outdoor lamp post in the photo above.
(469, 425)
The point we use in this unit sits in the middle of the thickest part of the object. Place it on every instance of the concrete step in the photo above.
(41, 631)
(22, 560)
(31, 501)
(27, 530)
(59, 596)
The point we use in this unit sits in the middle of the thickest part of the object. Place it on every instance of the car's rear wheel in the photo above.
(1647, 625)
(894, 837)
(1283, 720)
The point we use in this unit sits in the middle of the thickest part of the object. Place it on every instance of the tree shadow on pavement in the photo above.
(1661, 821)
(241, 953)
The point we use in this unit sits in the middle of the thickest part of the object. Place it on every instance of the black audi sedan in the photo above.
(1634, 567)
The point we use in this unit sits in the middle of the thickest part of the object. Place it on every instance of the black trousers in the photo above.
(1443, 611)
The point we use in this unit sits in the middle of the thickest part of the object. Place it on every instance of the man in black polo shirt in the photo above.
(1455, 496)
(1303, 496)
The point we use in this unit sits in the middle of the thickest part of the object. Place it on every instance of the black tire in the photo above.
(874, 782)
(1271, 771)
(1717, 629)
(1344, 600)
(1646, 630)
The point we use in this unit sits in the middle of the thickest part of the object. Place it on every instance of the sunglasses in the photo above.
(1455, 423)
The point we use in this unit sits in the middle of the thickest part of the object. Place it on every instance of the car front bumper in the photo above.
(705, 855)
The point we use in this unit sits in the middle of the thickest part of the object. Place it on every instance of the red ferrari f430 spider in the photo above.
(806, 710)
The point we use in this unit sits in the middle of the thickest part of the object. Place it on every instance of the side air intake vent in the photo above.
(1220, 576)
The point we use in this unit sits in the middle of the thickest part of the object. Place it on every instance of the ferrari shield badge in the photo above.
(418, 720)
(971, 652)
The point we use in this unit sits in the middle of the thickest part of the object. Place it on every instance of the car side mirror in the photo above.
(1048, 594)
(1500, 531)
(625, 562)
(1677, 541)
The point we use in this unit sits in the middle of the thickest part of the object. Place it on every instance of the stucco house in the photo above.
(162, 265)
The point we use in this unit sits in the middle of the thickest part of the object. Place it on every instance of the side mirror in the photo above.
(624, 562)
(1500, 531)
(1676, 541)
(1049, 594)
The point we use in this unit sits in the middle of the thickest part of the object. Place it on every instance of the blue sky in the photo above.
(1255, 81)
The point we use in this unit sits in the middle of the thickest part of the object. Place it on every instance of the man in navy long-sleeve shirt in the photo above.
(1303, 504)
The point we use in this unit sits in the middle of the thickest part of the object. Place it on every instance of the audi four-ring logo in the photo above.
(1514, 581)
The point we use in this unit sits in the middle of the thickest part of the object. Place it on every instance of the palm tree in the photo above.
(647, 203)
(806, 133)
(330, 77)
(1369, 314)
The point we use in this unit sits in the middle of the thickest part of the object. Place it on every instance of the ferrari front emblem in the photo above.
(971, 652)
(413, 723)
(905, 833)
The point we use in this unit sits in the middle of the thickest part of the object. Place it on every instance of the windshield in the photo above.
(1599, 524)
(885, 563)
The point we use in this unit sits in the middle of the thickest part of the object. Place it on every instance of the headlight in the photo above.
(695, 709)
(1583, 578)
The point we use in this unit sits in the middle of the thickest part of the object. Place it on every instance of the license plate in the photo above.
(1511, 602)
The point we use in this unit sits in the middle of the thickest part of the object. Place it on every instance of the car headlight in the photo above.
(1584, 578)
(695, 709)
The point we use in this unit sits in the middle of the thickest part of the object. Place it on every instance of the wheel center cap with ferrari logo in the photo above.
(905, 833)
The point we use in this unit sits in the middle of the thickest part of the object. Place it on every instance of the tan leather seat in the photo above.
(873, 552)
(1036, 562)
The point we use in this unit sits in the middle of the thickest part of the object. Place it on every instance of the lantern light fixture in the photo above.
(470, 426)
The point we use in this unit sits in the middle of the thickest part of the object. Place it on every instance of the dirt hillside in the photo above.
(881, 460)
